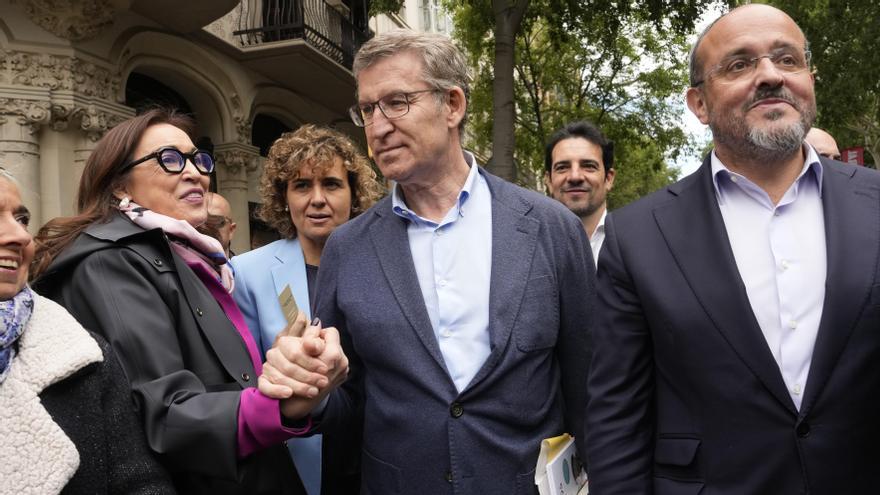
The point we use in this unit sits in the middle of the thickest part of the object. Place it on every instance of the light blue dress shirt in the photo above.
(453, 261)
(781, 257)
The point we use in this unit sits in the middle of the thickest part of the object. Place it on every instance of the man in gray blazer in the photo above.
(463, 302)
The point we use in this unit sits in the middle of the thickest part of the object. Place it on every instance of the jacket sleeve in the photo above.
(577, 296)
(132, 469)
(343, 412)
(619, 419)
(117, 294)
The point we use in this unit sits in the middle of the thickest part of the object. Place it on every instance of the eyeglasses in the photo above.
(740, 67)
(218, 221)
(173, 161)
(392, 106)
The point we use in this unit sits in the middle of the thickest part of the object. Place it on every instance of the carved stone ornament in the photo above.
(74, 20)
(58, 72)
(26, 112)
(235, 160)
(243, 127)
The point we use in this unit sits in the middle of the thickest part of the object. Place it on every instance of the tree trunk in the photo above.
(508, 17)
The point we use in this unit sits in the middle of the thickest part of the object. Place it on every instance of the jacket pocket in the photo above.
(676, 451)
(666, 486)
(380, 477)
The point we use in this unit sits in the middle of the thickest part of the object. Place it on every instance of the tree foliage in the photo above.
(843, 39)
(620, 65)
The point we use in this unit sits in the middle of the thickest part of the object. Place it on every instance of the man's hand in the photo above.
(303, 369)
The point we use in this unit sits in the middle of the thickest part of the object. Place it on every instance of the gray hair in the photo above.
(443, 65)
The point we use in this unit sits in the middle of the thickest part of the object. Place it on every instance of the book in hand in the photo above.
(559, 471)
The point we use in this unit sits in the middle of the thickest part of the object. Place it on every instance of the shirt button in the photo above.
(445, 333)
(792, 324)
(796, 390)
(438, 232)
(776, 213)
(456, 410)
(734, 179)
(784, 264)
(442, 283)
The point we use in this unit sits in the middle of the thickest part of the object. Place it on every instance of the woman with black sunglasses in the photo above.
(132, 267)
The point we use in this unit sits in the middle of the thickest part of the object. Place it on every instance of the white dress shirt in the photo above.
(780, 254)
(453, 261)
(598, 237)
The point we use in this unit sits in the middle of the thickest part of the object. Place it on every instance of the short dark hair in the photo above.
(584, 130)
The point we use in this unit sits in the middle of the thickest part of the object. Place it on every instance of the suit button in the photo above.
(803, 430)
(158, 262)
(199, 311)
(456, 410)
(449, 476)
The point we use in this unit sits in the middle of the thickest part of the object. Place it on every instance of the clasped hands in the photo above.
(305, 364)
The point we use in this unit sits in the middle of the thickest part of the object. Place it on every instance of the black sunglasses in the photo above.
(173, 161)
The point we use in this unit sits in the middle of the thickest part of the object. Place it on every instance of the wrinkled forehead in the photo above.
(752, 29)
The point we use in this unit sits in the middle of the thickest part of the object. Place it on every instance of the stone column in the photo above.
(20, 122)
(234, 160)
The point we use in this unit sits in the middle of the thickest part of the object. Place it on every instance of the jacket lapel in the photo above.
(219, 331)
(694, 230)
(391, 243)
(514, 238)
(852, 239)
(291, 271)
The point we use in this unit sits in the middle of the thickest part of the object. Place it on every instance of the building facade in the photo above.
(246, 70)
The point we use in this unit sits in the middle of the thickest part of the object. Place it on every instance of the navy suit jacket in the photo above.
(420, 434)
(685, 396)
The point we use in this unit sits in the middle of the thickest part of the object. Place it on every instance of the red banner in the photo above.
(855, 155)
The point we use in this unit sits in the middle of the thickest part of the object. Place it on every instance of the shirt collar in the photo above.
(600, 227)
(398, 204)
(811, 164)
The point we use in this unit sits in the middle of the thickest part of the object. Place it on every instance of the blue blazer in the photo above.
(420, 434)
(685, 395)
(260, 276)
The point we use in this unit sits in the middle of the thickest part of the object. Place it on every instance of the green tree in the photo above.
(843, 39)
(623, 69)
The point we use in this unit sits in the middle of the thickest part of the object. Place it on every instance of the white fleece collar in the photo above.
(38, 458)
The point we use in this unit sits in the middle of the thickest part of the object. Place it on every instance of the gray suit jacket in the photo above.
(420, 434)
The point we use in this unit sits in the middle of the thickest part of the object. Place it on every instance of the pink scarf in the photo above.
(190, 244)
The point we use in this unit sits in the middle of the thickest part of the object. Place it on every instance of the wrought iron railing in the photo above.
(314, 21)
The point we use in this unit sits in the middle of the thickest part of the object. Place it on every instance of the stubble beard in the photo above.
(760, 144)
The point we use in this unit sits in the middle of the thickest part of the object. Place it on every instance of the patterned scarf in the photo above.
(193, 246)
(15, 314)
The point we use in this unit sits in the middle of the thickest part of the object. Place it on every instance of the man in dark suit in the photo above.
(462, 301)
(737, 340)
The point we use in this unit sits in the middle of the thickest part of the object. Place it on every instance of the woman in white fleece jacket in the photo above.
(66, 418)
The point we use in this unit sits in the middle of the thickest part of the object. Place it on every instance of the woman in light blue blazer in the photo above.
(314, 180)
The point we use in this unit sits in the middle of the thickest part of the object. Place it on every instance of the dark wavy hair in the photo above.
(100, 178)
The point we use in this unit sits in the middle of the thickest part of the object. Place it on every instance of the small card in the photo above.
(288, 305)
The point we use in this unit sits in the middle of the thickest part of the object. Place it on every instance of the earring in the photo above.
(286, 208)
(124, 202)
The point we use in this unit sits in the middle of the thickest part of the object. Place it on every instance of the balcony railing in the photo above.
(314, 21)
